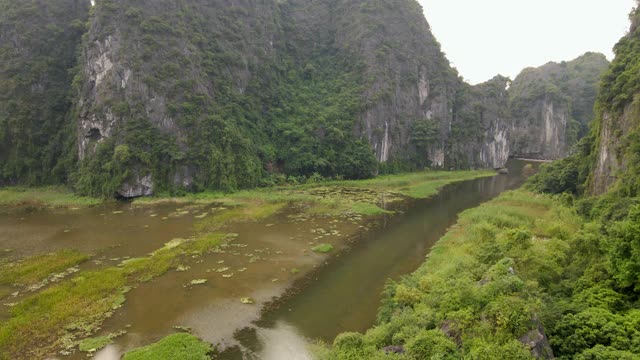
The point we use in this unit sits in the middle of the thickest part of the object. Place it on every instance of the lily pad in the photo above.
(323, 248)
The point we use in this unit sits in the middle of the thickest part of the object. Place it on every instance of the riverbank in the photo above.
(484, 289)
(363, 197)
(59, 310)
(523, 276)
(415, 185)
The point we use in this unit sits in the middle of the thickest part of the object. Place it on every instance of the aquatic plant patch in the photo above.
(323, 248)
(35, 269)
(57, 317)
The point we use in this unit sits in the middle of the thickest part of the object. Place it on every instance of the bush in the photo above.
(481, 349)
(432, 344)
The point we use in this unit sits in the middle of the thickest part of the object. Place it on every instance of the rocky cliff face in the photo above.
(552, 105)
(540, 132)
(480, 132)
(416, 108)
(408, 77)
(615, 136)
(222, 94)
(154, 69)
(609, 161)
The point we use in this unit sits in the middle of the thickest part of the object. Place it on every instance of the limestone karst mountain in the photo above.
(139, 97)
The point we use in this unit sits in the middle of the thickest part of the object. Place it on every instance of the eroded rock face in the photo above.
(536, 340)
(482, 126)
(551, 106)
(541, 132)
(136, 186)
(614, 140)
(610, 160)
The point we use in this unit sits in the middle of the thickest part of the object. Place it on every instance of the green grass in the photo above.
(43, 197)
(323, 248)
(56, 317)
(37, 268)
(173, 347)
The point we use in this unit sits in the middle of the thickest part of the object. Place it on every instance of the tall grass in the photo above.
(44, 197)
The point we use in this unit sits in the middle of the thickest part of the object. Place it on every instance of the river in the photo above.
(323, 294)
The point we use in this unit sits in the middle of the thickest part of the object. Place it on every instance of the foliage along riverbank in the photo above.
(511, 273)
(362, 197)
(417, 185)
(61, 306)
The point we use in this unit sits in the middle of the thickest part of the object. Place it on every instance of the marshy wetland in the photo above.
(256, 273)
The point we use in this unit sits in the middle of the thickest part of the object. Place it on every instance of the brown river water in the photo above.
(299, 295)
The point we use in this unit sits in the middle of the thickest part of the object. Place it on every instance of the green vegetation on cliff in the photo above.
(250, 112)
(38, 57)
(129, 98)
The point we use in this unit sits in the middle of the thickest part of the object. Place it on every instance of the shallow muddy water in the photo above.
(326, 294)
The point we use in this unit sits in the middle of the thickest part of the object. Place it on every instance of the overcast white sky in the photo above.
(483, 38)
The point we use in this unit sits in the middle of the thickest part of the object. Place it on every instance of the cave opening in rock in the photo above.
(94, 134)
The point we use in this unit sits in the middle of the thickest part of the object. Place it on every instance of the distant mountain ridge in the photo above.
(163, 96)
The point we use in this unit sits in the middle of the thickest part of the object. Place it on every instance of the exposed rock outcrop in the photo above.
(541, 132)
(616, 129)
(136, 186)
(552, 105)
(480, 133)
(612, 158)
(536, 340)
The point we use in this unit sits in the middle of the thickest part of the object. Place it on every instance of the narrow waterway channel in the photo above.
(345, 295)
